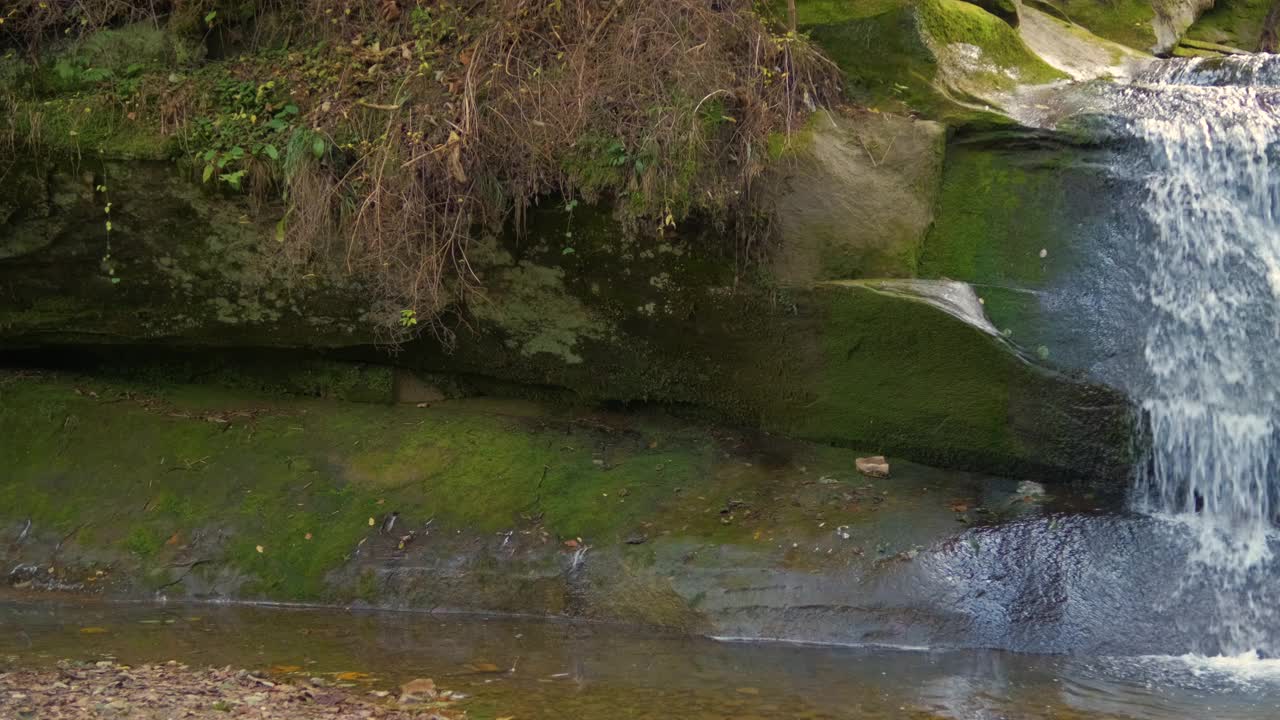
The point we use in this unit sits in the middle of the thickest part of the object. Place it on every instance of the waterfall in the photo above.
(1209, 132)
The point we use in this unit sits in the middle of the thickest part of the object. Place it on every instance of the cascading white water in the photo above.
(1211, 135)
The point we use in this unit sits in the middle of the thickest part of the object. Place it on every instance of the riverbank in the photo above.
(77, 690)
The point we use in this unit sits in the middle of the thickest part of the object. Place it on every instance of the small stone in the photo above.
(876, 466)
(1030, 488)
(636, 538)
(1044, 252)
(418, 689)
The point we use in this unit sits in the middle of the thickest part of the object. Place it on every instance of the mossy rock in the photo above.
(577, 306)
(283, 498)
(854, 196)
(1147, 25)
(1014, 213)
(843, 364)
(1236, 23)
(947, 58)
(168, 260)
(1128, 22)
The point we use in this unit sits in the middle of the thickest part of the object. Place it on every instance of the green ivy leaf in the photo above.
(271, 152)
(317, 147)
(208, 172)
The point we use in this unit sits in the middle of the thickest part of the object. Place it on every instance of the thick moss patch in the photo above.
(945, 57)
(278, 492)
(1125, 21)
(997, 211)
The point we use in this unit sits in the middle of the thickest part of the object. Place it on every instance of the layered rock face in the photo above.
(617, 319)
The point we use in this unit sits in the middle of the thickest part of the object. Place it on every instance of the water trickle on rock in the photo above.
(1210, 131)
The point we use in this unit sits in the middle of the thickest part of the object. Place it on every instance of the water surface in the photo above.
(535, 669)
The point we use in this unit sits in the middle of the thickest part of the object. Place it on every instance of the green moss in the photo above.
(997, 211)
(281, 492)
(947, 392)
(144, 542)
(1237, 23)
(293, 486)
(921, 55)
(1124, 21)
(951, 22)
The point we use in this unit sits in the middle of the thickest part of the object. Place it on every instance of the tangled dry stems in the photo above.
(663, 110)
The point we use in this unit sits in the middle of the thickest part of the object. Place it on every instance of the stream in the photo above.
(536, 669)
(1167, 610)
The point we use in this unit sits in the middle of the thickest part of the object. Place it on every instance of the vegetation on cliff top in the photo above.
(394, 129)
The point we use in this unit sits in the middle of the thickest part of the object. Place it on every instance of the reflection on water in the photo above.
(560, 670)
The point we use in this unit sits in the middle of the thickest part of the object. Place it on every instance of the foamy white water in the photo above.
(1210, 132)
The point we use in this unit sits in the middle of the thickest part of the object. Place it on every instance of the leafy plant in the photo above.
(251, 122)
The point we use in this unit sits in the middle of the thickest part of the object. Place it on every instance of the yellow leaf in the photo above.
(93, 630)
(352, 675)
(260, 548)
(371, 522)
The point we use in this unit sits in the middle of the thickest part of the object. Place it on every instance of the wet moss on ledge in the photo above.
(205, 490)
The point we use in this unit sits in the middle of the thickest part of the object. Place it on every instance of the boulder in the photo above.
(1171, 20)
(1153, 26)
(854, 196)
(949, 59)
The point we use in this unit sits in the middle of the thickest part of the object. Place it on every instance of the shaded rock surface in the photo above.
(670, 325)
